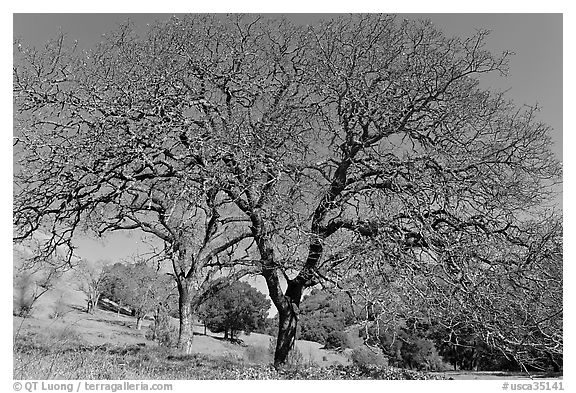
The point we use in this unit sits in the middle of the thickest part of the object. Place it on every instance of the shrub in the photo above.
(162, 332)
(363, 356)
(59, 308)
(24, 296)
(422, 354)
(337, 339)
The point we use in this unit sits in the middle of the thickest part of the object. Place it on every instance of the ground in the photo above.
(126, 348)
(109, 327)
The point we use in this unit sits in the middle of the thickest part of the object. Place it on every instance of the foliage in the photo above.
(337, 340)
(139, 286)
(238, 307)
(364, 356)
(162, 331)
(324, 315)
(32, 280)
(269, 326)
(91, 276)
(59, 308)
(24, 296)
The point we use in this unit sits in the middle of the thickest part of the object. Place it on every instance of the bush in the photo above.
(337, 339)
(363, 356)
(162, 332)
(66, 334)
(24, 296)
(59, 308)
(423, 355)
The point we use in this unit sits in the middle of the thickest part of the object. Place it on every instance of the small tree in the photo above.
(237, 308)
(138, 286)
(32, 280)
(91, 277)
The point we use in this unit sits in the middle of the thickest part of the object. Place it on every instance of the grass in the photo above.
(63, 356)
(106, 346)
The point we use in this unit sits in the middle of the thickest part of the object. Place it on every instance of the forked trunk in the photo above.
(185, 335)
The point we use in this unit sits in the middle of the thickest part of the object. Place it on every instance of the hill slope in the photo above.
(110, 327)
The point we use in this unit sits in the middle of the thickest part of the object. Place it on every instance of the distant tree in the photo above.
(324, 317)
(90, 277)
(33, 280)
(269, 327)
(240, 307)
(138, 286)
(25, 294)
(112, 284)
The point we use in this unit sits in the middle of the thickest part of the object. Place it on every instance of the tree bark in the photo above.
(139, 323)
(286, 336)
(288, 322)
(186, 334)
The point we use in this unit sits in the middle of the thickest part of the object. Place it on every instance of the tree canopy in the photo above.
(139, 286)
(237, 308)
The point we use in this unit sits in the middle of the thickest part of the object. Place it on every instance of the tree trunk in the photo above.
(288, 321)
(139, 323)
(286, 335)
(186, 334)
(96, 300)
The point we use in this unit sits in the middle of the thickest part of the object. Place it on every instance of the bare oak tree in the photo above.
(109, 139)
(243, 142)
(91, 276)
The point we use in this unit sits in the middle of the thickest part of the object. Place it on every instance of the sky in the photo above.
(535, 70)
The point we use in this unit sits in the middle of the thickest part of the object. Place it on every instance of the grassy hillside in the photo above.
(107, 345)
(109, 327)
(107, 333)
